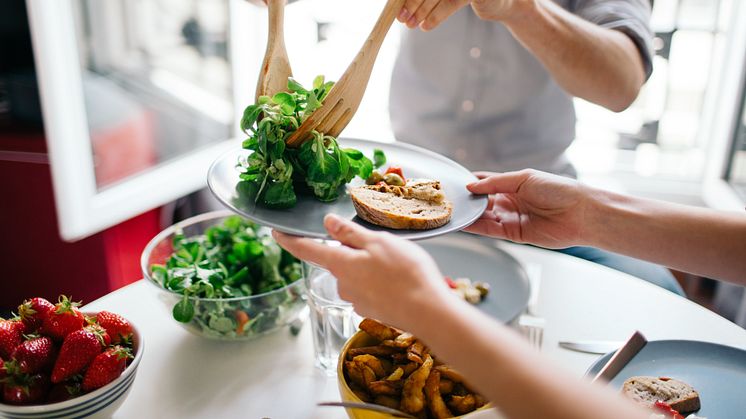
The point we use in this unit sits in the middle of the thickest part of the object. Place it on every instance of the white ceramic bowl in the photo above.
(100, 403)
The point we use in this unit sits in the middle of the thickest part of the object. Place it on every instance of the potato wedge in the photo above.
(413, 398)
(372, 362)
(379, 330)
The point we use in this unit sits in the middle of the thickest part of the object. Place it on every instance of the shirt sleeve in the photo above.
(631, 17)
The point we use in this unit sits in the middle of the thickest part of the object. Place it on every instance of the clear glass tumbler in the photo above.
(333, 320)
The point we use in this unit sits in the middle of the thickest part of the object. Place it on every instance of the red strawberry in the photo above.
(63, 320)
(26, 389)
(64, 391)
(35, 355)
(11, 335)
(78, 350)
(106, 367)
(33, 312)
(118, 328)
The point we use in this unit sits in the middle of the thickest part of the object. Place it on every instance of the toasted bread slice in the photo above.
(648, 390)
(420, 205)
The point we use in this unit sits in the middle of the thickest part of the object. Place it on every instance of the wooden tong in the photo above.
(344, 98)
(273, 77)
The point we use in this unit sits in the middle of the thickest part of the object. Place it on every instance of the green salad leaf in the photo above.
(233, 259)
(276, 172)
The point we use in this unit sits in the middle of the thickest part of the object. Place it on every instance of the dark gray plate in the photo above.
(477, 258)
(717, 372)
(306, 218)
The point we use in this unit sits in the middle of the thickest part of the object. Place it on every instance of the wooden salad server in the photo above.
(344, 98)
(275, 71)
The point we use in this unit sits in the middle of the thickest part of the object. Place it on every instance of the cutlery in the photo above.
(531, 323)
(275, 71)
(343, 100)
(592, 346)
(625, 354)
(368, 406)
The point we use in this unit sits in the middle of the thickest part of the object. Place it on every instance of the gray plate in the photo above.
(306, 218)
(717, 372)
(478, 258)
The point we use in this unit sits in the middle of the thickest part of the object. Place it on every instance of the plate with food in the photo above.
(407, 190)
(694, 379)
(481, 273)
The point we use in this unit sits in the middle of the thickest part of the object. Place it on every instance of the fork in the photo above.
(343, 100)
(531, 324)
(275, 71)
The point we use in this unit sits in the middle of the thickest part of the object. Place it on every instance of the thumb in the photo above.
(509, 182)
(347, 232)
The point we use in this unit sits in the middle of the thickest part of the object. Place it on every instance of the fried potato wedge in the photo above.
(413, 398)
(386, 387)
(379, 330)
(388, 401)
(435, 403)
(372, 362)
(446, 386)
(450, 373)
(378, 350)
(403, 340)
(462, 404)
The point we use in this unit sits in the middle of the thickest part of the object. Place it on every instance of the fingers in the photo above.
(421, 13)
(488, 226)
(347, 232)
(310, 250)
(441, 12)
(509, 182)
(408, 10)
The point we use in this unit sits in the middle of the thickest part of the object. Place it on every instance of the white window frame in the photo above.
(82, 208)
(723, 117)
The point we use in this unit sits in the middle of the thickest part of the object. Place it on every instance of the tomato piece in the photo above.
(665, 408)
(450, 282)
(396, 170)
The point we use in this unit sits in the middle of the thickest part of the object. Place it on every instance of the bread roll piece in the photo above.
(648, 390)
(419, 205)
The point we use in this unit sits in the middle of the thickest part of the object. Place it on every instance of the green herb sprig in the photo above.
(319, 164)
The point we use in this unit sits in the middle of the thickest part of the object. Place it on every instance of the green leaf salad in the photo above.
(233, 259)
(274, 173)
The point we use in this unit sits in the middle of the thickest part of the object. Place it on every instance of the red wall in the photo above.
(34, 261)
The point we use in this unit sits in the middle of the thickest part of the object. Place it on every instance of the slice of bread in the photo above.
(420, 205)
(648, 390)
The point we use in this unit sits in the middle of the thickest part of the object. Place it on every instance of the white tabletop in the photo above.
(185, 376)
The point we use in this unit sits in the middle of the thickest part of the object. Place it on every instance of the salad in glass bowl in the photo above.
(225, 277)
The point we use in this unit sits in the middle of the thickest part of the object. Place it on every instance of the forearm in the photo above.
(696, 240)
(507, 371)
(600, 65)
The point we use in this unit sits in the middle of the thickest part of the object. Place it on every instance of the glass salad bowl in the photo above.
(224, 277)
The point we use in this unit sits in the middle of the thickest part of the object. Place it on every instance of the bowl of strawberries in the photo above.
(56, 361)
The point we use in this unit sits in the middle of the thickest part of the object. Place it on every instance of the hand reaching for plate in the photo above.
(384, 276)
(532, 207)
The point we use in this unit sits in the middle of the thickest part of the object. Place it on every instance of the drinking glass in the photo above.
(333, 319)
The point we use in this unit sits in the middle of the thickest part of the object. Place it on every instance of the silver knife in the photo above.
(616, 363)
(592, 346)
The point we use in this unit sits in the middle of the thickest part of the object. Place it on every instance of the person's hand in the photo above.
(385, 277)
(532, 207)
(428, 14)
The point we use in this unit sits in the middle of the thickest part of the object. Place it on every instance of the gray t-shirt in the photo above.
(471, 91)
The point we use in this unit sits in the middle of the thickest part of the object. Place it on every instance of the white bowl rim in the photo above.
(48, 408)
(212, 215)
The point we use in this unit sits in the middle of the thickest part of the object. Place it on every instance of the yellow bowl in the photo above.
(359, 340)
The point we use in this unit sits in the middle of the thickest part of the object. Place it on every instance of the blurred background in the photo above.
(143, 94)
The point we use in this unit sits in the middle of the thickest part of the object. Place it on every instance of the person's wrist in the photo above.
(599, 209)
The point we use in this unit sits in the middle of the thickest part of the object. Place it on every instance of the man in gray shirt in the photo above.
(490, 83)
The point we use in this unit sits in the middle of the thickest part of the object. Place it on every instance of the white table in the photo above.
(185, 376)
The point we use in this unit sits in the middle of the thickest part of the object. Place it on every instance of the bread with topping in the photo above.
(647, 390)
(418, 205)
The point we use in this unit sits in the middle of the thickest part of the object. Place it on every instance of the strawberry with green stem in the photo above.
(78, 350)
(106, 367)
(118, 328)
(25, 389)
(11, 335)
(35, 355)
(63, 320)
(33, 312)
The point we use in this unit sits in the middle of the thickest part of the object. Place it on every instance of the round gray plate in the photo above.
(478, 258)
(306, 217)
(717, 372)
